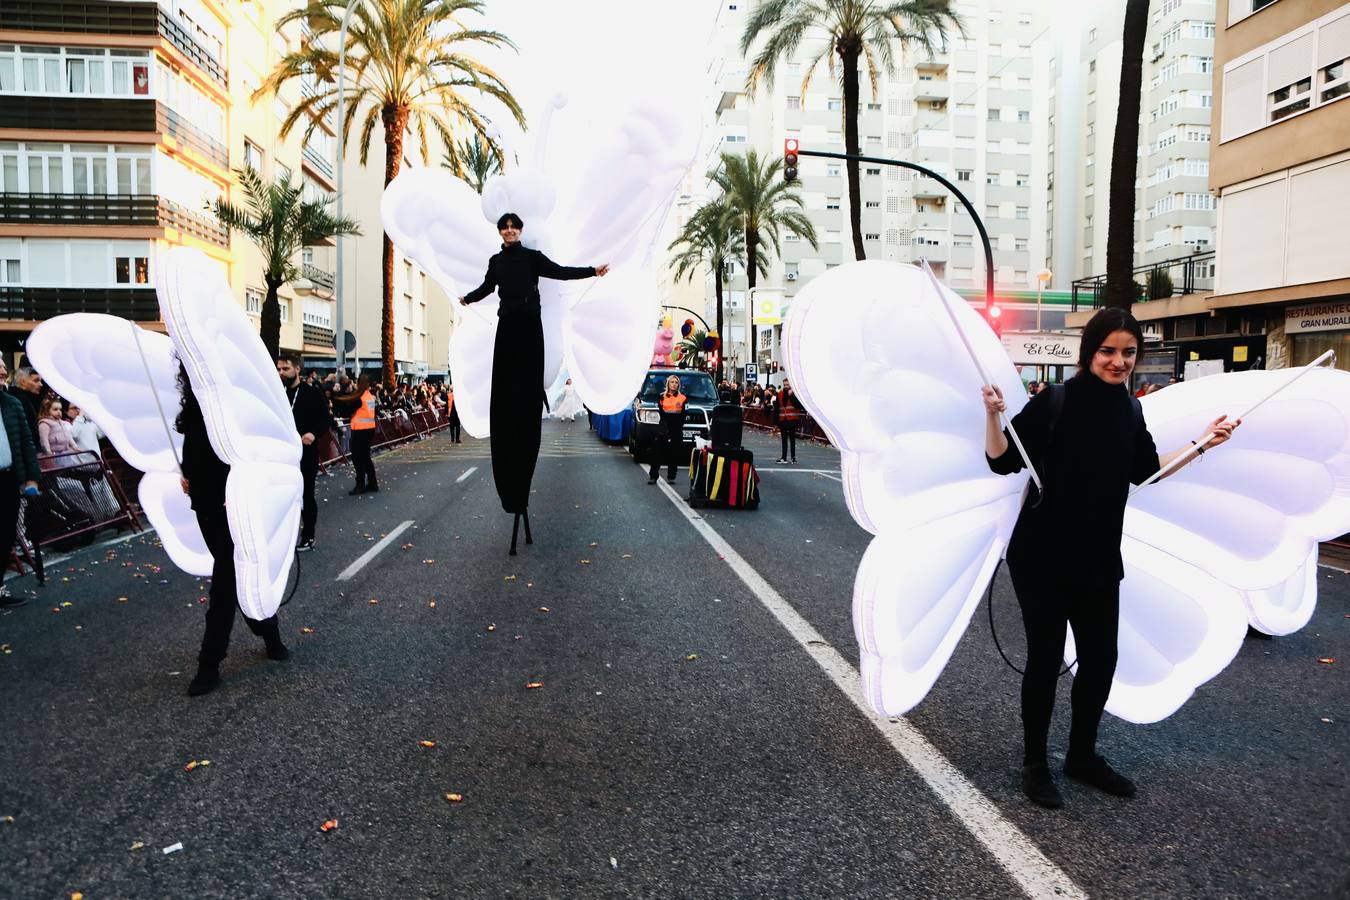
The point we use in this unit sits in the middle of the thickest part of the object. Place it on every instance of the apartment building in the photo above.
(121, 122)
(969, 112)
(1281, 168)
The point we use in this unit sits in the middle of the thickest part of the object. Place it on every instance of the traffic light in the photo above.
(994, 315)
(790, 160)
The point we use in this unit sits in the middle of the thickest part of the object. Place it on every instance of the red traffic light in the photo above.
(790, 159)
(995, 312)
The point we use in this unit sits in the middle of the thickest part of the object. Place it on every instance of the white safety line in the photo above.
(1334, 568)
(803, 471)
(467, 472)
(1013, 850)
(350, 572)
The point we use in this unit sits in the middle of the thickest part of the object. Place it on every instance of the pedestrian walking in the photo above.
(363, 433)
(670, 435)
(518, 361)
(789, 413)
(313, 421)
(204, 476)
(1089, 441)
(454, 414)
(19, 474)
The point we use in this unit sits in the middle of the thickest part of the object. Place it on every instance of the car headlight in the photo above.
(649, 417)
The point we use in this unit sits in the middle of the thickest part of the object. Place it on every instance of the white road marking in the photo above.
(467, 472)
(1013, 850)
(350, 572)
(764, 469)
(1334, 568)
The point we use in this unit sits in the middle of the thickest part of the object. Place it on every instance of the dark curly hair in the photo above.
(189, 411)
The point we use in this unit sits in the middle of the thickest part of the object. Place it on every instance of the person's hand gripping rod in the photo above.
(984, 376)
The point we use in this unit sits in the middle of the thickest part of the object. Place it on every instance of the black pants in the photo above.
(787, 431)
(454, 424)
(9, 512)
(361, 462)
(309, 510)
(224, 600)
(1048, 607)
(517, 405)
(668, 446)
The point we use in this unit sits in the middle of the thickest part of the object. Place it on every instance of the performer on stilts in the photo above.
(518, 362)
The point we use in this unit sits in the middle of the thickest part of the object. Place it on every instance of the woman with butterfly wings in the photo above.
(518, 361)
(1225, 543)
(238, 448)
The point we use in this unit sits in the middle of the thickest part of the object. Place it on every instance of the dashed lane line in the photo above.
(349, 573)
(1014, 851)
(467, 472)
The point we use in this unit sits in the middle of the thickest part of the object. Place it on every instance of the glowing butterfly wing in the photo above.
(247, 418)
(437, 221)
(875, 358)
(607, 337)
(1231, 539)
(93, 360)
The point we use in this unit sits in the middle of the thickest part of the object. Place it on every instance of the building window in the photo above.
(1202, 65)
(964, 174)
(870, 236)
(991, 178)
(834, 103)
(831, 236)
(1335, 81)
(872, 204)
(831, 202)
(874, 107)
(1197, 134)
(832, 170)
(892, 204)
(1022, 212)
(1020, 244)
(962, 240)
(9, 270)
(991, 211)
(1202, 31)
(1024, 115)
(131, 269)
(253, 157)
(874, 171)
(794, 102)
(1023, 180)
(253, 301)
(993, 114)
(285, 306)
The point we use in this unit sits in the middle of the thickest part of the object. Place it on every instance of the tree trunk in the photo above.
(270, 326)
(395, 120)
(849, 54)
(1120, 290)
(717, 293)
(751, 259)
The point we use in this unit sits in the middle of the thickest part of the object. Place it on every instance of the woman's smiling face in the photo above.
(1114, 360)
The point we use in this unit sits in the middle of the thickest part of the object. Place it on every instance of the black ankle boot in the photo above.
(205, 681)
(1098, 773)
(277, 650)
(1040, 787)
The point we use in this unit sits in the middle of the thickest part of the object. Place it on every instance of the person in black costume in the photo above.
(313, 420)
(1087, 452)
(204, 476)
(518, 361)
(454, 416)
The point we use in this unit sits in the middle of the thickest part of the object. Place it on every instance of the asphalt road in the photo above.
(682, 741)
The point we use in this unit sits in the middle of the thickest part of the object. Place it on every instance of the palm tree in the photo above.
(692, 347)
(478, 161)
(409, 73)
(280, 224)
(1120, 286)
(866, 29)
(764, 206)
(712, 237)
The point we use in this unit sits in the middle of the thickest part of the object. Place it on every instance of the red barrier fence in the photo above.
(390, 431)
(760, 417)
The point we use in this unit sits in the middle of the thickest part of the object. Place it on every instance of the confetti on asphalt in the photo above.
(428, 562)
(533, 685)
(8, 820)
(195, 764)
(65, 603)
(529, 584)
(122, 599)
(307, 630)
(454, 798)
(545, 609)
(4, 648)
(628, 556)
(426, 743)
(76, 895)
(613, 863)
(595, 544)
(508, 578)
(1326, 721)
(491, 627)
(374, 602)
(691, 657)
(585, 562)
(407, 547)
(328, 826)
(172, 848)
(138, 845)
(1326, 660)
(432, 604)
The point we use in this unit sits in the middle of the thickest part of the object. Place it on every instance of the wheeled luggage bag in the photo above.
(723, 476)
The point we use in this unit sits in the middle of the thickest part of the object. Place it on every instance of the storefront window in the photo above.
(1307, 347)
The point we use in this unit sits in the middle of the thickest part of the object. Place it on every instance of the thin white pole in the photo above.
(1195, 448)
(984, 376)
(340, 338)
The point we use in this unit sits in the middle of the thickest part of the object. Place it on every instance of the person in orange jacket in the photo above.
(363, 433)
(670, 436)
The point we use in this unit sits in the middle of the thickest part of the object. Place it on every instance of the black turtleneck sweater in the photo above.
(1096, 452)
(515, 274)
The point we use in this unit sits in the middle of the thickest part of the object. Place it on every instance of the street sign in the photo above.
(349, 344)
(751, 373)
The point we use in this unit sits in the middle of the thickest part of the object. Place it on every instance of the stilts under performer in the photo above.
(518, 362)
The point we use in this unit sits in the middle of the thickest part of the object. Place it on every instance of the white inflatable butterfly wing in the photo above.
(874, 358)
(248, 420)
(93, 360)
(437, 221)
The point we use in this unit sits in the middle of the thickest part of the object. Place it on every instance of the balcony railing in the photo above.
(178, 128)
(317, 334)
(78, 209)
(36, 304)
(324, 166)
(322, 278)
(102, 114)
(1160, 281)
(172, 215)
(108, 17)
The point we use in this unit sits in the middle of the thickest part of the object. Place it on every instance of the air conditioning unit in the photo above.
(791, 276)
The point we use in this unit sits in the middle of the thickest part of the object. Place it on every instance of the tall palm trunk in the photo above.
(1120, 288)
(395, 120)
(751, 270)
(269, 329)
(717, 294)
(849, 54)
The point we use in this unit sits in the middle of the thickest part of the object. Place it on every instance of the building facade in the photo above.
(121, 123)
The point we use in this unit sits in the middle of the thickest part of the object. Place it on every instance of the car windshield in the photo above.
(697, 386)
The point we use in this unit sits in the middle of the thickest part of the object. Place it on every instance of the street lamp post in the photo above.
(1042, 278)
(340, 334)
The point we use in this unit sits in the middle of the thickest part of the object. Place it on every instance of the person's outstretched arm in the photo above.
(488, 286)
(549, 269)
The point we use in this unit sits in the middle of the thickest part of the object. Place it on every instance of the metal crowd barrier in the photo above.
(760, 417)
(390, 431)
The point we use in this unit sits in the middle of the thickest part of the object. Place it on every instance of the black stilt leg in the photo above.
(515, 530)
(529, 539)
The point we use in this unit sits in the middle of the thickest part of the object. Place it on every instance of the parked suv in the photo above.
(701, 395)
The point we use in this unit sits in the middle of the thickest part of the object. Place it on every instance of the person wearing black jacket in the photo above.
(518, 361)
(788, 412)
(1087, 454)
(313, 419)
(204, 477)
(19, 473)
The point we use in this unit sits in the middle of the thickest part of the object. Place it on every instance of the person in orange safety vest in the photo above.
(363, 433)
(670, 436)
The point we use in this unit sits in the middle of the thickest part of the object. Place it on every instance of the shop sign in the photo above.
(1330, 316)
(1041, 348)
